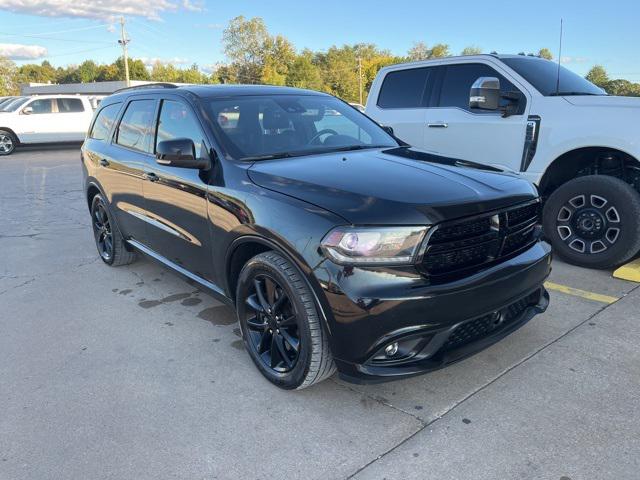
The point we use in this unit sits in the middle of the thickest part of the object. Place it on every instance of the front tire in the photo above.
(594, 221)
(8, 142)
(109, 241)
(280, 323)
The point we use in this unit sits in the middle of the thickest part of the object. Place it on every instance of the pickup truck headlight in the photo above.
(373, 245)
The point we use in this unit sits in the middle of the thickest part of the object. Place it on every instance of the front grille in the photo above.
(479, 328)
(460, 248)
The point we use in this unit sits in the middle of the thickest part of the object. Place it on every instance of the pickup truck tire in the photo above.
(594, 221)
(8, 142)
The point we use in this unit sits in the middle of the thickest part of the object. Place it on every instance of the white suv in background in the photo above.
(524, 114)
(44, 119)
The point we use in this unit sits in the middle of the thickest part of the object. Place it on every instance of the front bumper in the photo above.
(371, 308)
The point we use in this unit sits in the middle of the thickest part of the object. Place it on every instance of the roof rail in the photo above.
(148, 85)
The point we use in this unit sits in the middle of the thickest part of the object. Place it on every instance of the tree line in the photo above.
(255, 56)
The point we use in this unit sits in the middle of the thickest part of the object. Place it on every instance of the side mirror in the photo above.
(485, 94)
(27, 110)
(179, 152)
(388, 129)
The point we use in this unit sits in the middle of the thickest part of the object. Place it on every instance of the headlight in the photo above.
(373, 245)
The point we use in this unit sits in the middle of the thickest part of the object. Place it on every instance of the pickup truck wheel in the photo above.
(7, 142)
(109, 241)
(280, 323)
(594, 221)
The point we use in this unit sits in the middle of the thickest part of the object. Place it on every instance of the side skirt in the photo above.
(217, 292)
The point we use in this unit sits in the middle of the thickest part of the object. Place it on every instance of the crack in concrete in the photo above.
(488, 384)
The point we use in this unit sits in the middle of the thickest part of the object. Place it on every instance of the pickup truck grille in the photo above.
(456, 249)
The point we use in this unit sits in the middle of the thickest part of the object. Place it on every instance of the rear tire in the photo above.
(8, 142)
(111, 245)
(282, 331)
(594, 221)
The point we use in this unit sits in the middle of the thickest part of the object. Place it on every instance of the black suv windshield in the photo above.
(14, 104)
(543, 75)
(275, 126)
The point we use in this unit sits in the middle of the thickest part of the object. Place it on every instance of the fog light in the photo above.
(391, 349)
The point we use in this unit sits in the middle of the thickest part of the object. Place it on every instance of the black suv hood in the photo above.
(398, 186)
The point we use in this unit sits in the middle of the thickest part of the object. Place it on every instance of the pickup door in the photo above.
(455, 130)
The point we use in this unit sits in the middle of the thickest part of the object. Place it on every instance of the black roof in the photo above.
(215, 91)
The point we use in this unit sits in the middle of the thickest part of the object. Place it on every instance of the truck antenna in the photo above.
(559, 60)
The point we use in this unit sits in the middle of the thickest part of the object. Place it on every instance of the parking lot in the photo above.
(133, 372)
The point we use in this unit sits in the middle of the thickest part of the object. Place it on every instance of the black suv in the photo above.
(339, 246)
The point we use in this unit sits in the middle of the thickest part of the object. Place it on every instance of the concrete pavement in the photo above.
(119, 373)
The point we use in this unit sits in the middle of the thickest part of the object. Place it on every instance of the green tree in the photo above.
(471, 51)
(8, 77)
(598, 76)
(304, 73)
(420, 51)
(279, 55)
(545, 53)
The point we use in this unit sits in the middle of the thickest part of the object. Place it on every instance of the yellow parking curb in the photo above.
(576, 292)
(630, 271)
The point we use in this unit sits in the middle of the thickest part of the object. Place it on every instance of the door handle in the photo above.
(152, 177)
(104, 162)
(437, 125)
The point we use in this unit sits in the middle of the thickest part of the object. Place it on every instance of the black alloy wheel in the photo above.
(102, 231)
(588, 223)
(109, 241)
(594, 221)
(280, 323)
(272, 325)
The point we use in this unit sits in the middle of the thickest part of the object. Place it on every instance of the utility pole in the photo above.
(124, 41)
(360, 77)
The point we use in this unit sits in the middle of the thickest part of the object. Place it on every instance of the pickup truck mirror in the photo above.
(180, 152)
(485, 94)
(387, 129)
(27, 110)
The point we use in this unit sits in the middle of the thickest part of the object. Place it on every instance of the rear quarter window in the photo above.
(134, 130)
(104, 122)
(70, 105)
(404, 88)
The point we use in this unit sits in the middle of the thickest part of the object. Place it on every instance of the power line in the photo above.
(77, 51)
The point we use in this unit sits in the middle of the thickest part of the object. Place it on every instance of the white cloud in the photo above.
(567, 59)
(196, 6)
(97, 9)
(16, 51)
(150, 61)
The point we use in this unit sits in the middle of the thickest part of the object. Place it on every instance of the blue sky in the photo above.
(187, 31)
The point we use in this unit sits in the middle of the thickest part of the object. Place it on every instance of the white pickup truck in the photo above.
(44, 119)
(580, 146)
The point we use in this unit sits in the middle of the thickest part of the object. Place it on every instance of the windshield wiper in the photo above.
(302, 153)
(349, 148)
(560, 94)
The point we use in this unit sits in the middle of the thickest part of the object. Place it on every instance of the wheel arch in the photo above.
(567, 165)
(244, 248)
(93, 188)
(10, 130)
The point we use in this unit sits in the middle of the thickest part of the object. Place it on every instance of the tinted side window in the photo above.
(404, 88)
(178, 121)
(458, 80)
(104, 122)
(41, 105)
(70, 105)
(135, 127)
